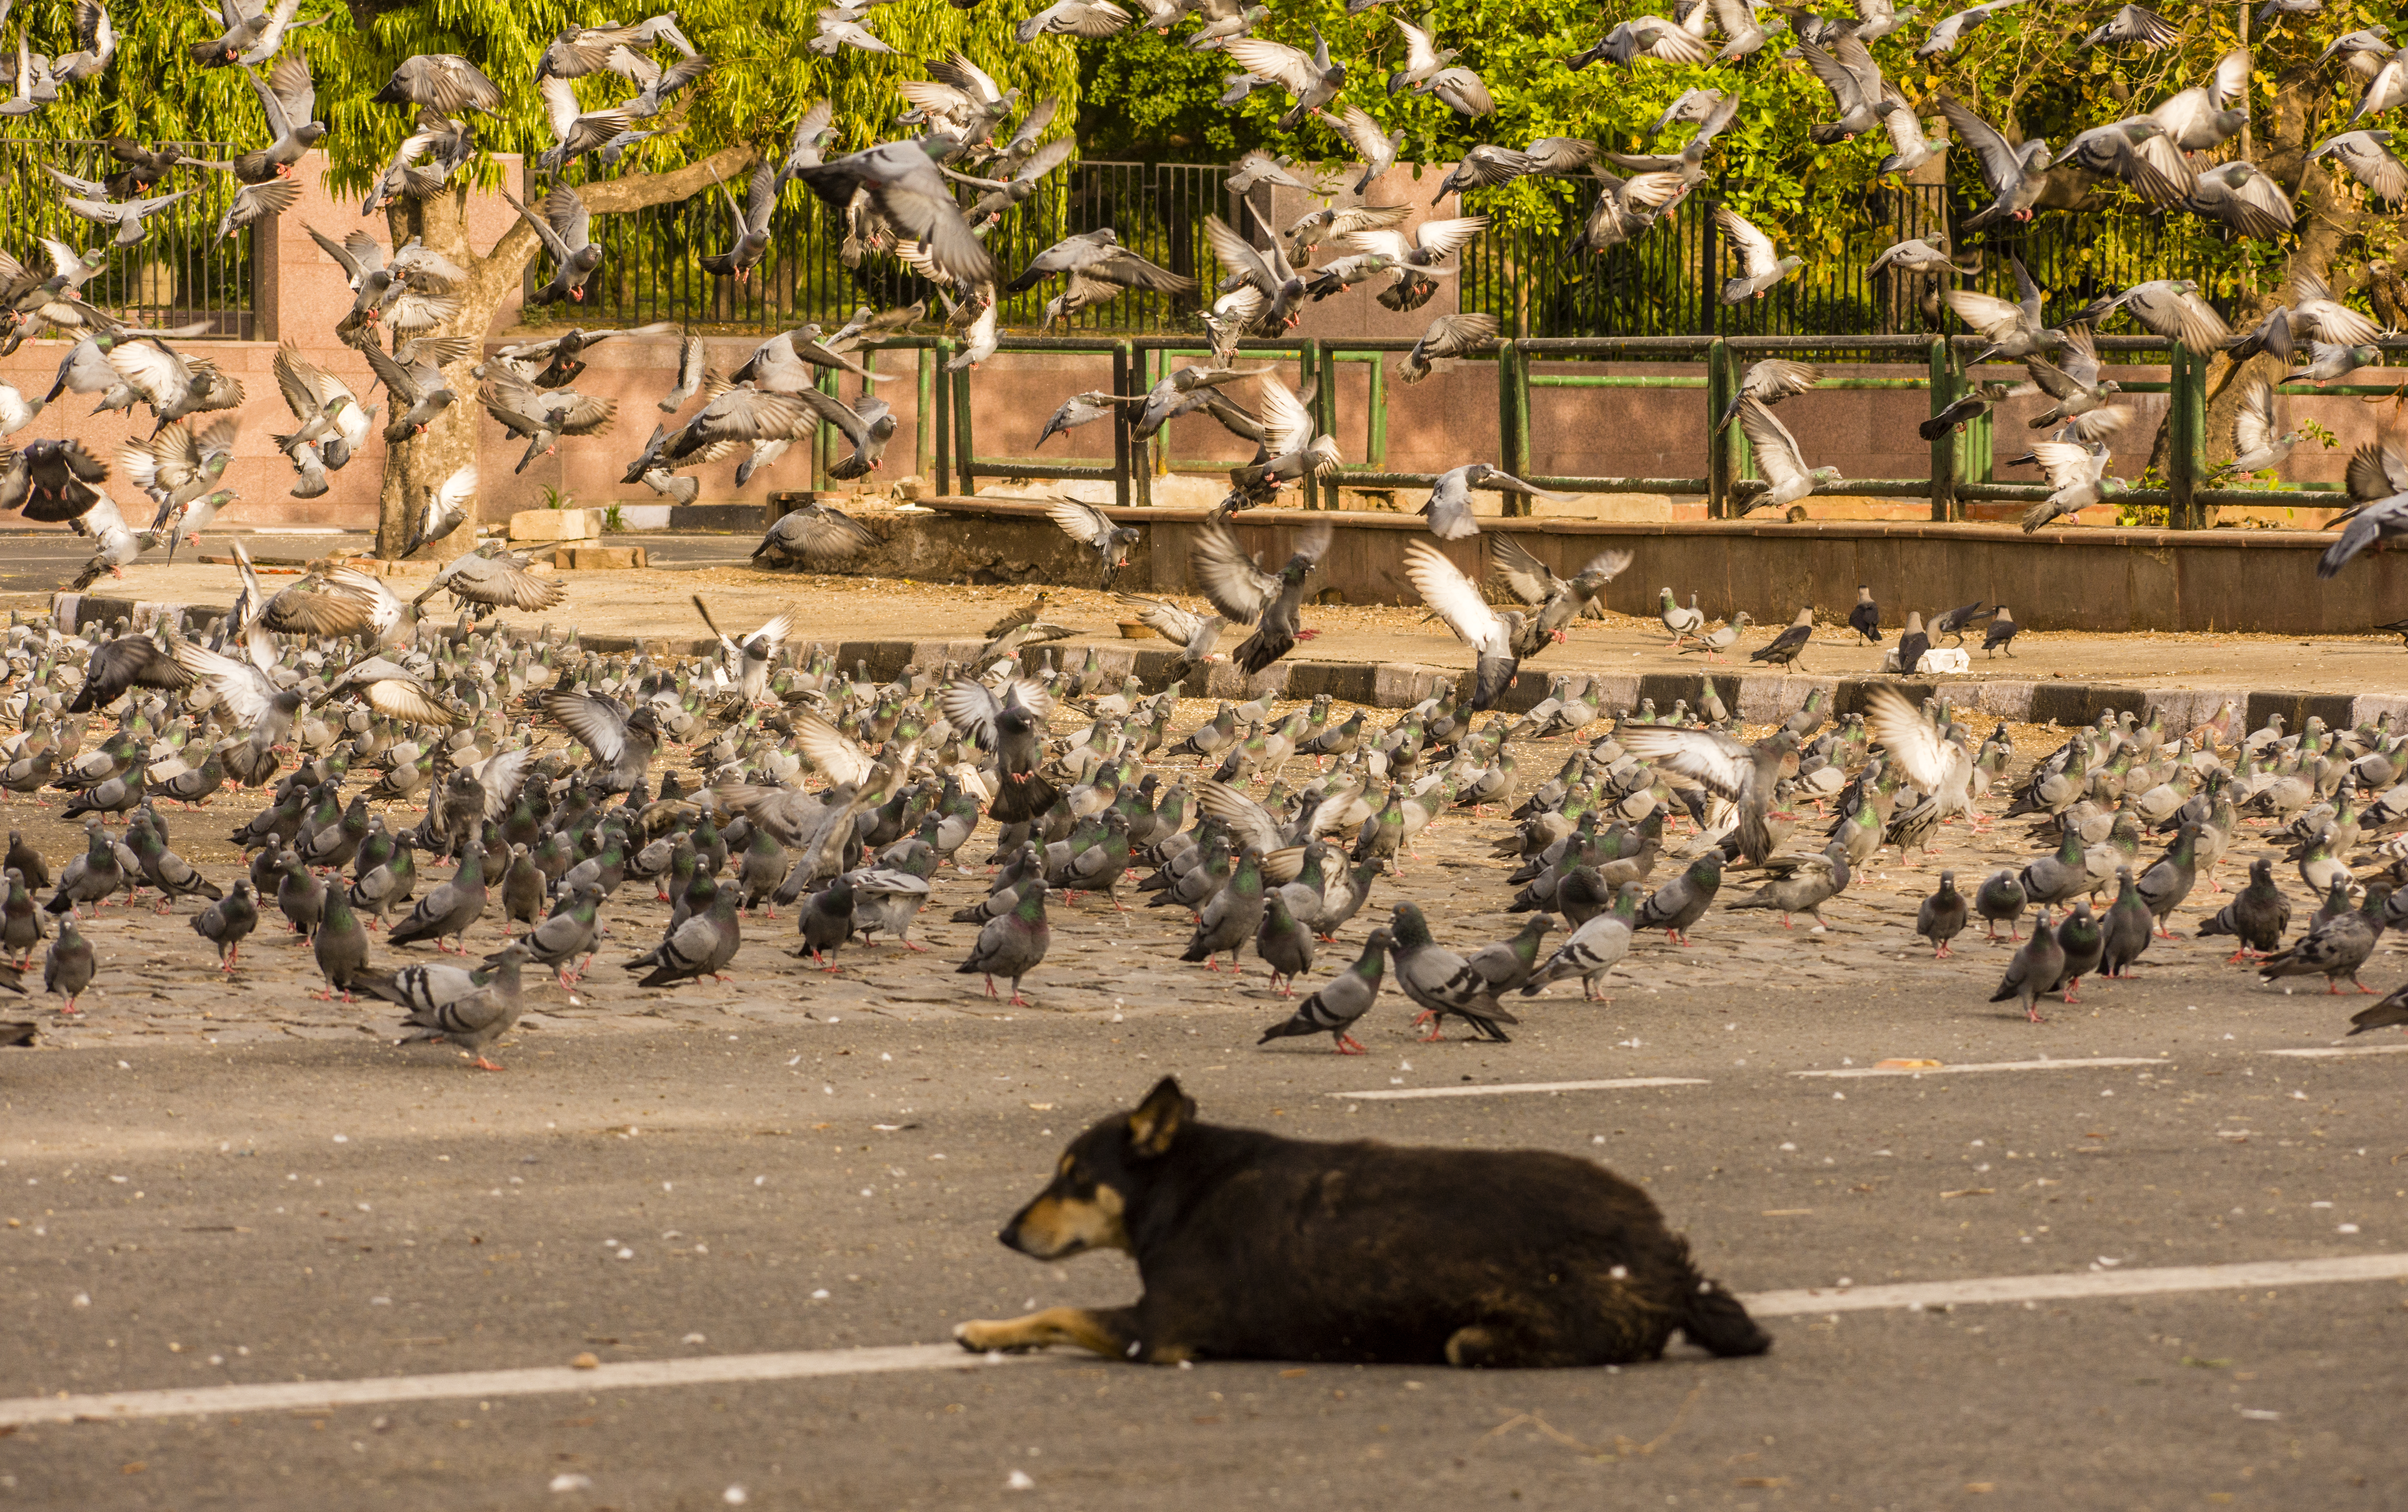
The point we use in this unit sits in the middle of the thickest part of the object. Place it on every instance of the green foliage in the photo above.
(554, 498)
(2317, 433)
(153, 89)
(613, 520)
(764, 79)
(1153, 99)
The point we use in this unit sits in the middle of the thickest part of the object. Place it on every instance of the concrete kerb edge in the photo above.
(1757, 699)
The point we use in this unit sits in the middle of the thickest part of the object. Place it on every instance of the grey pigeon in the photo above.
(2127, 927)
(1441, 981)
(2083, 944)
(341, 945)
(702, 945)
(1337, 1003)
(2164, 886)
(450, 908)
(2001, 897)
(572, 931)
(1014, 945)
(1593, 949)
(475, 1019)
(2337, 948)
(826, 922)
(1683, 901)
(2256, 916)
(886, 901)
(2037, 968)
(1284, 945)
(67, 970)
(1231, 916)
(1509, 963)
(1802, 884)
(1943, 917)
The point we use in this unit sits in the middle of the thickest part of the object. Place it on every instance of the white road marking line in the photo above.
(1945, 1070)
(287, 1396)
(2079, 1284)
(2331, 1050)
(1400, 1093)
(291, 1396)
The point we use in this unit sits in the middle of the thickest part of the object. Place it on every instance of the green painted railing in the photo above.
(1962, 460)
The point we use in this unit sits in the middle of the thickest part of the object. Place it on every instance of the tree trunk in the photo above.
(414, 468)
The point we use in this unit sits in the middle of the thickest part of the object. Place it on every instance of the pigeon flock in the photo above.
(905, 199)
(466, 802)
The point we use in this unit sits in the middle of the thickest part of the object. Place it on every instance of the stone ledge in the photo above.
(1757, 698)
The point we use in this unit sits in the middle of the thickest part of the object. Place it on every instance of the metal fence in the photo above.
(182, 273)
(1534, 277)
(1540, 282)
(815, 272)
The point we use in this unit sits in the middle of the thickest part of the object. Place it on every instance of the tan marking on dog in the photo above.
(1054, 1227)
(1037, 1330)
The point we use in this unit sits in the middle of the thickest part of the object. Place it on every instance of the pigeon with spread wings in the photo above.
(750, 657)
(903, 183)
(1744, 774)
(1557, 600)
(1246, 594)
(751, 220)
(499, 580)
(1454, 597)
(622, 740)
(2014, 174)
(1785, 477)
(1093, 529)
(563, 229)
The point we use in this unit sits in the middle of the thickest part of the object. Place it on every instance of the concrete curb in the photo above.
(1757, 698)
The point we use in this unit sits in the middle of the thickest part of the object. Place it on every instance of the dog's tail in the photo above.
(1716, 1322)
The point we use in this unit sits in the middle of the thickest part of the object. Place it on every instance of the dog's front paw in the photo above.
(983, 1336)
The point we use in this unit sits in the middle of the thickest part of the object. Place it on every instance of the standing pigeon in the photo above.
(451, 908)
(1284, 945)
(2256, 916)
(2000, 897)
(2082, 943)
(1943, 917)
(472, 1020)
(341, 945)
(1593, 949)
(69, 968)
(2036, 969)
(225, 922)
(1335, 1007)
(2127, 927)
(1683, 901)
(1441, 981)
(1011, 945)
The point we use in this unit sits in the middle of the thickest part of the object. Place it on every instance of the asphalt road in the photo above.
(195, 1215)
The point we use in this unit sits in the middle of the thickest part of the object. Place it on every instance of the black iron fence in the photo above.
(1540, 282)
(818, 269)
(182, 273)
(1534, 277)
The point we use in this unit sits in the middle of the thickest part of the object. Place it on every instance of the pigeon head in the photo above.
(940, 145)
(1408, 928)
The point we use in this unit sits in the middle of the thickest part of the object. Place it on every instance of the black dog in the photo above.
(1255, 1246)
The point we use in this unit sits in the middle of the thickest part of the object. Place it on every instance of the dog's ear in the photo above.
(1154, 1122)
